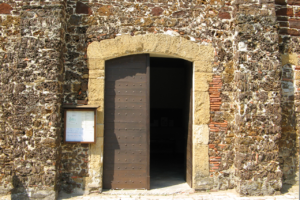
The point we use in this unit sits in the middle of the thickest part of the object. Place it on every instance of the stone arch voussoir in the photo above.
(152, 43)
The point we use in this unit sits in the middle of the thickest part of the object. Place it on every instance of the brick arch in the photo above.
(162, 45)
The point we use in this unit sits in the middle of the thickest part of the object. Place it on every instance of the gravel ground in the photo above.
(292, 193)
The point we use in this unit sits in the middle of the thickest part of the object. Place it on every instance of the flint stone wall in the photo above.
(31, 41)
(288, 13)
(253, 141)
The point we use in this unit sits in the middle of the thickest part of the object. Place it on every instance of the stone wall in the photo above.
(202, 22)
(258, 96)
(288, 13)
(199, 21)
(74, 165)
(10, 40)
(32, 41)
(253, 140)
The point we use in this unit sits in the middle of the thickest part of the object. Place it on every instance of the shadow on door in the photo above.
(170, 87)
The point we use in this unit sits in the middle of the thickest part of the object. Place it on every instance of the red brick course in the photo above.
(216, 127)
(287, 17)
(285, 12)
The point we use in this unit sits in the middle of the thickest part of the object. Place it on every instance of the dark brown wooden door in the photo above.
(126, 123)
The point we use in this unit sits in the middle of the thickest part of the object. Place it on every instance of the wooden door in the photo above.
(126, 123)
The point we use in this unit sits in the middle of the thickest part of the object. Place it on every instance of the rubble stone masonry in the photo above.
(254, 94)
(32, 65)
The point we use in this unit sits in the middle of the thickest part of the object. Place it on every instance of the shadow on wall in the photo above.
(19, 190)
(287, 143)
(74, 169)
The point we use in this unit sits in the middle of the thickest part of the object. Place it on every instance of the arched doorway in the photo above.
(147, 120)
(154, 44)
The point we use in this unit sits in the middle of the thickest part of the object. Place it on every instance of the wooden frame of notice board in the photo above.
(80, 124)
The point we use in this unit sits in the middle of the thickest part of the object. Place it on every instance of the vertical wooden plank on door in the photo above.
(126, 123)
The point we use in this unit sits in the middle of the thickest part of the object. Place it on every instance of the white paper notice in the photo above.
(74, 134)
(89, 116)
(88, 135)
(80, 126)
(73, 118)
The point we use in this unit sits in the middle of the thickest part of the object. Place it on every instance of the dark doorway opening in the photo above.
(170, 92)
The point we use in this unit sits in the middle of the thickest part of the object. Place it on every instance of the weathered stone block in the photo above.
(100, 110)
(156, 11)
(224, 15)
(293, 2)
(96, 89)
(96, 155)
(81, 8)
(106, 10)
(292, 32)
(201, 81)
(289, 59)
(297, 75)
(201, 134)
(99, 130)
(159, 43)
(5, 8)
(95, 63)
(201, 167)
(95, 166)
(203, 66)
(96, 74)
(75, 20)
(294, 23)
(201, 108)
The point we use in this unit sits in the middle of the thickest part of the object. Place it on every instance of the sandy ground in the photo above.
(175, 194)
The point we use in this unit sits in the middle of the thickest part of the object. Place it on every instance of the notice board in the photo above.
(80, 125)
